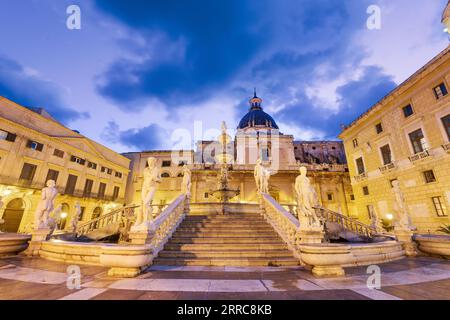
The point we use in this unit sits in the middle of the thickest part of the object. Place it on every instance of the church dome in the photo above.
(256, 117)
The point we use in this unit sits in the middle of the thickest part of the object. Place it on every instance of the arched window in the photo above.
(180, 175)
(165, 175)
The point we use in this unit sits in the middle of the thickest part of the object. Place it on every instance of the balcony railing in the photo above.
(387, 167)
(361, 177)
(420, 155)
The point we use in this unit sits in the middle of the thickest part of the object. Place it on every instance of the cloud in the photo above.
(26, 87)
(146, 138)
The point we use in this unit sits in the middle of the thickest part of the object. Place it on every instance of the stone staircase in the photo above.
(225, 240)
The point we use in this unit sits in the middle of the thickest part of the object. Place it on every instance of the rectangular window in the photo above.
(439, 206)
(355, 143)
(379, 128)
(101, 190)
(92, 165)
(429, 176)
(103, 169)
(88, 188)
(386, 154)
(118, 174)
(83, 209)
(446, 123)
(330, 197)
(440, 91)
(35, 145)
(408, 111)
(8, 136)
(352, 197)
(360, 165)
(58, 153)
(52, 175)
(28, 171)
(365, 190)
(206, 195)
(116, 193)
(78, 160)
(166, 163)
(71, 183)
(417, 141)
(109, 171)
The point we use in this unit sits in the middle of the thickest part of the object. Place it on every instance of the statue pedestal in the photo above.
(37, 237)
(310, 236)
(405, 236)
(142, 234)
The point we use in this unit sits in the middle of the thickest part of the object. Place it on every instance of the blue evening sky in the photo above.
(149, 74)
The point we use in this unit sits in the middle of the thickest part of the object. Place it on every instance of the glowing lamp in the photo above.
(389, 216)
(63, 215)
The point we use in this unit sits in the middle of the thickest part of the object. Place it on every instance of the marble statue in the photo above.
(151, 179)
(266, 173)
(75, 217)
(402, 217)
(376, 222)
(259, 175)
(45, 205)
(186, 183)
(306, 201)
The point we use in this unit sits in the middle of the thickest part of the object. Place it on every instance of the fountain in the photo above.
(223, 193)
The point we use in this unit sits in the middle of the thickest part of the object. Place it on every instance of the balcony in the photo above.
(419, 156)
(387, 167)
(360, 177)
(446, 147)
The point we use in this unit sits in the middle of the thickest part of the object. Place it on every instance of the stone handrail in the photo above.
(346, 222)
(282, 221)
(114, 216)
(167, 222)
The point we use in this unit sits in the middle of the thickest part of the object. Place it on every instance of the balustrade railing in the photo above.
(346, 222)
(285, 224)
(120, 216)
(167, 222)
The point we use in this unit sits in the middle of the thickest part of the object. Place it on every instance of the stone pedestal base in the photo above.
(328, 271)
(142, 234)
(37, 237)
(405, 236)
(124, 272)
(311, 236)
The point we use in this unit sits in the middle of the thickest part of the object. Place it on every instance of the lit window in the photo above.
(439, 206)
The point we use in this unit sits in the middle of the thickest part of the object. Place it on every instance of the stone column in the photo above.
(310, 235)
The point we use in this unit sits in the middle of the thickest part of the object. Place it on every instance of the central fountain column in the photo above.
(223, 192)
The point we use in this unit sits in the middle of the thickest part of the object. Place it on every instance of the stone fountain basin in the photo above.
(434, 244)
(13, 243)
(330, 259)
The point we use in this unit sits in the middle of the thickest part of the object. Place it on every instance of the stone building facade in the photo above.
(405, 136)
(35, 148)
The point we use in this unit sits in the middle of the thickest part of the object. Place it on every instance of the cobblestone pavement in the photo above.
(411, 278)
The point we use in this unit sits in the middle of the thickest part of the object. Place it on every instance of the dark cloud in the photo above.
(233, 46)
(29, 90)
(147, 138)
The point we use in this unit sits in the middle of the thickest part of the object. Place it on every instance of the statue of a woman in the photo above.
(151, 179)
(259, 175)
(266, 173)
(186, 183)
(45, 205)
(306, 201)
(402, 217)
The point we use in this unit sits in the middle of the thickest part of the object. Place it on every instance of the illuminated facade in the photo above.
(35, 148)
(405, 136)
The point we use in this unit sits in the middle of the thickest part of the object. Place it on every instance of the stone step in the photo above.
(224, 246)
(236, 262)
(183, 228)
(227, 240)
(235, 235)
(226, 254)
(226, 225)
(226, 219)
